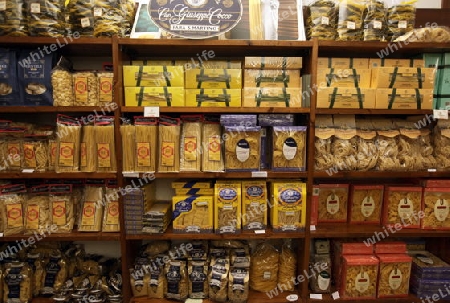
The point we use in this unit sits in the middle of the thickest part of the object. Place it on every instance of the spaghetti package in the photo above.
(35, 153)
(401, 18)
(289, 148)
(227, 203)
(69, 139)
(177, 280)
(238, 285)
(254, 205)
(52, 153)
(146, 136)
(106, 150)
(92, 209)
(198, 279)
(264, 268)
(169, 144)
(85, 89)
(191, 156)
(212, 153)
(242, 148)
(323, 158)
(192, 214)
(36, 210)
(61, 207)
(12, 200)
(218, 279)
(111, 222)
(17, 282)
(375, 26)
(322, 18)
(88, 149)
(129, 152)
(332, 201)
(288, 265)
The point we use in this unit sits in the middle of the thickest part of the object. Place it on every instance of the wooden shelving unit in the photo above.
(223, 110)
(72, 236)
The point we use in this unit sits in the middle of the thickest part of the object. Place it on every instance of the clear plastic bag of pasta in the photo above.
(321, 20)
(68, 144)
(128, 10)
(13, 22)
(401, 18)
(105, 144)
(323, 158)
(81, 17)
(36, 210)
(190, 158)
(88, 149)
(442, 144)
(169, 144)
(289, 148)
(111, 222)
(264, 268)
(351, 20)
(45, 17)
(61, 207)
(12, 200)
(288, 265)
(343, 147)
(409, 154)
(212, 152)
(238, 285)
(108, 18)
(35, 153)
(427, 149)
(17, 285)
(128, 134)
(387, 145)
(11, 148)
(62, 82)
(367, 152)
(92, 209)
(375, 26)
(218, 279)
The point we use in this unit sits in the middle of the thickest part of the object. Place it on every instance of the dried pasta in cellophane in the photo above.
(238, 285)
(288, 265)
(68, 140)
(85, 89)
(61, 207)
(351, 20)
(366, 149)
(81, 17)
(242, 148)
(111, 222)
(17, 283)
(343, 147)
(324, 136)
(401, 18)
(128, 9)
(227, 204)
(105, 82)
(218, 279)
(289, 148)
(366, 204)
(409, 154)
(92, 209)
(62, 83)
(395, 271)
(387, 144)
(442, 144)
(88, 149)
(157, 286)
(13, 19)
(321, 20)
(108, 18)
(36, 210)
(264, 268)
(403, 205)
(177, 280)
(35, 153)
(55, 273)
(52, 153)
(375, 26)
(212, 153)
(128, 134)
(105, 149)
(427, 149)
(333, 200)
(12, 200)
(191, 138)
(146, 134)
(45, 17)
(359, 277)
(11, 148)
(198, 279)
(139, 281)
(169, 144)
(436, 205)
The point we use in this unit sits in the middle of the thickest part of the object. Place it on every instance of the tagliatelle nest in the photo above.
(439, 34)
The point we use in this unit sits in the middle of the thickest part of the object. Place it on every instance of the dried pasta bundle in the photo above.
(61, 208)
(62, 83)
(17, 285)
(36, 210)
(394, 276)
(81, 17)
(403, 205)
(289, 148)
(11, 149)
(427, 149)
(238, 285)
(13, 19)
(169, 145)
(139, 281)
(158, 283)
(242, 148)
(191, 157)
(92, 210)
(442, 144)
(52, 153)
(111, 222)
(45, 18)
(333, 200)
(11, 201)
(105, 82)
(88, 150)
(323, 157)
(401, 18)
(35, 153)
(375, 27)
(360, 280)
(146, 132)
(321, 21)
(367, 152)
(366, 204)
(351, 19)
(85, 89)
(128, 133)
(106, 150)
(218, 279)
(177, 280)
(387, 143)
(198, 279)
(128, 9)
(212, 155)
(288, 265)
(264, 268)
(108, 17)
(436, 208)
(68, 152)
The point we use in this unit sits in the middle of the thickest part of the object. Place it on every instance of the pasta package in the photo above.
(92, 209)
(105, 88)
(242, 148)
(218, 279)
(158, 284)
(436, 209)
(45, 18)
(191, 156)
(13, 19)
(88, 149)
(401, 18)
(343, 146)
(227, 207)
(129, 152)
(62, 82)
(17, 282)
(321, 281)
(240, 258)
(108, 18)
(289, 148)
(288, 265)
(238, 285)
(324, 135)
(254, 205)
(12, 201)
(52, 153)
(359, 277)
(375, 26)
(321, 20)
(68, 141)
(36, 210)
(402, 205)
(35, 153)
(442, 144)
(111, 219)
(177, 280)
(104, 138)
(193, 214)
(394, 274)
(146, 136)
(169, 144)
(366, 150)
(264, 268)
(55, 273)
(212, 153)
(85, 89)
(409, 147)
(139, 281)
(332, 201)
(366, 204)
(387, 144)
(288, 207)
(11, 148)
(351, 20)
(61, 207)
(198, 279)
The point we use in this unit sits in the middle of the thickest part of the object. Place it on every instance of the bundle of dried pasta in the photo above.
(375, 27)
(366, 204)
(146, 132)
(238, 285)
(264, 268)
(343, 146)
(11, 201)
(218, 279)
(359, 276)
(288, 265)
(128, 134)
(177, 280)
(242, 148)
(157, 286)
(45, 18)
(442, 144)
(11, 147)
(85, 89)
(17, 285)
(351, 19)
(55, 273)
(289, 148)
(128, 9)
(190, 159)
(169, 144)
(111, 222)
(106, 149)
(13, 19)
(402, 205)
(108, 17)
(332, 202)
(198, 279)
(212, 154)
(367, 153)
(324, 133)
(62, 83)
(35, 152)
(88, 149)
(395, 271)
(401, 17)
(387, 143)
(68, 151)
(61, 207)
(409, 154)
(92, 209)
(36, 210)
(227, 203)
(426, 149)
(139, 281)
(81, 17)
(52, 152)
(321, 21)
(436, 208)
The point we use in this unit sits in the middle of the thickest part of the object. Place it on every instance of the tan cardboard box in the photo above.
(154, 96)
(377, 62)
(214, 78)
(272, 97)
(211, 97)
(332, 62)
(345, 97)
(343, 77)
(273, 62)
(388, 98)
(153, 76)
(403, 77)
(272, 78)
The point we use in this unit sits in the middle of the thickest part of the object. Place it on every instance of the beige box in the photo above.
(388, 98)
(403, 77)
(332, 62)
(154, 76)
(345, 97)
(214, 78)
(154, 96)
(213, 64)
(343, 77)
(210, 97)
(273, 62)
(272, 78)
(272, 97)
(377, 62)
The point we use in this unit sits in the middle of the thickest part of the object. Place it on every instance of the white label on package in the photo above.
(402, 24)
(325, 20)
(377, 24)
(98, 12)
(351, 25)
(35, 8)
(85, 22)
(441, 210)
(3, 5)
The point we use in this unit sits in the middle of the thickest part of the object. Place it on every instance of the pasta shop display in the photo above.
(242, 148)
(332, 201)
(17, 282)
(35, 153)
(359, 277)
(198, 279)
(92, 210)
(177, 280)
(238, 285)
(436, 208)
(61, 207)
(88, 149)
(212, 153)
(227, 207)
(69, 139)
(321, 20)
(350, 25)
(394, 274)
(289, 148)
(375, 27)
(401, 18)
(324, 132)
(12, 200)
(264, 268)
(85, 88)
(367, 151)
(288, 265)
(442, 144)
(146, 136)
(192, 214)
(111, 222)
(36, 210)
(402, 205)
(254, 205)
(45, 18)
(169, 144)
(106, 150)
(366, 204)
(191, 155)
(218, 279)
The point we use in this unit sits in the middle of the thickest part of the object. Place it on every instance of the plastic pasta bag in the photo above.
(81, 17)
(367, 153)
(351, 19)
(264, 268)
(442, 144)
(108, 17)
(92, 210)
(324, 133)
(45, 17)
(288, 265)
(321, 21)
(401, 17)
(12, 19)
(375, 26)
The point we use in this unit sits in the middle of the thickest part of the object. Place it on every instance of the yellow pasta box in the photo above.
(336, 62)
(343, 77)
(288, 208)
(273, 62)
(154, 96)
(157, 76)
(272, 78)
(227, 207)
(192, 214)
(377, 62)
(254, 205)
(213, 97)
(407, 98)
(184, 184)
(214, 78)
(194, 191)
(403, 77)
(272, 97)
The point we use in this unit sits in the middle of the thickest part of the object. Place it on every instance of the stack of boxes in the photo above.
(442, 88)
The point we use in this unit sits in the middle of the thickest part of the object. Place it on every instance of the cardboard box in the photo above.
(331, 77)
(389, 247)
(334, 62)
(194, 191)
(154, 96)
(402, 206)
(403, 77)
(377, 62)
(345, 97)
(213, 97)
(363, 285)
(444, 79)
(227, 207)
(158, 76)
(273, 62)
(272, 78)
(391, 98)
(441, 103)
(331, 202)
(436, 206)
(436, 183)
(157, 62)
(254, 205)
(366, 203)
(192, 214)
(183, 184)
(394, 274)
(272, 97)
(214, 78)
(214, 64)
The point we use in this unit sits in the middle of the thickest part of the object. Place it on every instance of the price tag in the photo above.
(325, 20)
(259, 174)
(440, 114)
(35, 8)
(85, 22)
(377, 24)
(3, 5)
(402, 24)
(28, 171)
(335, 295)
(193, 300)
(98, 12)
(1, 235)
(315, 296)
(432, 170)
(260, 231)
(292, 298)
(351, 25)
(151, 111)
(127, 174)
(312, 227)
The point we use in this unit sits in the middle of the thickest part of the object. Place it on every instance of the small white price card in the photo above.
(402, 24)
(432, 170)
(315, 296)
(259, 174)
(440, 114)
(260, 231)
(292, 298)
(377, 24)
(35, 8)
(85, 22)
(194, 301)
(151, 111)
(335, 295)
(98, 12)
(325, 20)
(3, 5)
(28, 171)
(312, 227)
(129, 174)
(351, 25)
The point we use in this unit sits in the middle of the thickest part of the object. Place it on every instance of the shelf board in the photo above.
(326, 298)
(41, 300)
(52, 109)
(225, 175)
(337, 111)
(344, 230)
(54, 175)
(220, 110)
(245, 235)
(380, 175)
(73, 236)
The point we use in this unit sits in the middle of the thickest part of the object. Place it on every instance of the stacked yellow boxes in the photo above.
(272, 82)
(154, 83)
(216, 83)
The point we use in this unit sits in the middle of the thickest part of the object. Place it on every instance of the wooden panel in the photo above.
(445, 4)
(430, 15)
(328, 230)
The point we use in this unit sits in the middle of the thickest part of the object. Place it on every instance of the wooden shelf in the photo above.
(42, 300)
(225, 175)
(53, 109)
(380, 175)
(54, 175)
(220, 110)
(337, 111)
(245, 235)
(329, 230)
(73, 236)
(326, 298)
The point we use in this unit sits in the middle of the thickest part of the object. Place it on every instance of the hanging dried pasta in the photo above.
(69, 137)
(238, 285)
(11, 201)
(212, 154)
(218, 279)
(17, 286)
(288, 265)
(92, 209)
(242, 148)
(333, 200)
(61, 208)
(289, 148)
(111, 222)
(105, 149)
(191, 157)
(177, 280)
(146, 139)
(36, 210)
(169, 144)
(35, 153)
(264, 268)
(128, 134)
